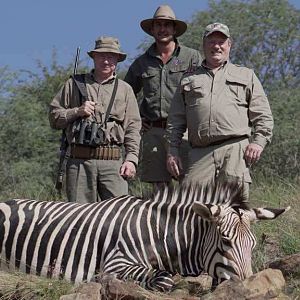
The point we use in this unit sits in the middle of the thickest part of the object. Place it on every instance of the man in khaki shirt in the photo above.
(226, 112)
(97, 169)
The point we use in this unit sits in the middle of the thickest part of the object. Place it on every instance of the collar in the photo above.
(152, 49)
(108, 80)
(204, 65)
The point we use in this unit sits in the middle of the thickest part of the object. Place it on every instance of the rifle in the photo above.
(64, 155)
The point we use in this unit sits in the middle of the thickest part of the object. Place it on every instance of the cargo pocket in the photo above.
(234, 165)
(175, 74)
(150, 83)
(194, 91)
(236, 89)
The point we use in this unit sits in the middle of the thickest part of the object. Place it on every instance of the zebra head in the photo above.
(230, 256)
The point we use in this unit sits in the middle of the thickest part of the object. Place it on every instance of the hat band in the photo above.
(163, 16)
(107, 46)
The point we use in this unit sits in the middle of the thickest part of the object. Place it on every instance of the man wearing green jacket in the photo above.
(157, 74)
(227, 114)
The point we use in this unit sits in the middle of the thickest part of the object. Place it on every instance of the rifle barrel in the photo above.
(76, 61)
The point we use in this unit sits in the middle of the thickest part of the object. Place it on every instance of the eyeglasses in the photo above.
(216, 42)
(106, 56)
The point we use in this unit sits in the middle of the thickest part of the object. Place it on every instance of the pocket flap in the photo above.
(148, 74)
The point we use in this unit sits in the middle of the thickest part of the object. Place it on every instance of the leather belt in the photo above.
(107, 152)
(228, 141)
(158, 123)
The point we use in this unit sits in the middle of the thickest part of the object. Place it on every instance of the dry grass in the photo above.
(28, 287)
(280, 237)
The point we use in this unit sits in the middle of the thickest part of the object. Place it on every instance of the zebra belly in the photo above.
(58, 239)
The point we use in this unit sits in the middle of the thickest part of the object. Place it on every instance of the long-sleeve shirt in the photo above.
(159, 81)
(124, 124)
(216, 107)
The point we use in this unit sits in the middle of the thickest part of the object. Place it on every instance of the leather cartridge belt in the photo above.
(105, 152)
(158, 123)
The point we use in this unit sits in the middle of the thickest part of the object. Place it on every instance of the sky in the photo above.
(31, 29)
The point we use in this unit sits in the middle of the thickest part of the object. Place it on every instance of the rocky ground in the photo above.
(267, 284)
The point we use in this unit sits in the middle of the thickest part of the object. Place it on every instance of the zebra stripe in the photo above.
(186, 231)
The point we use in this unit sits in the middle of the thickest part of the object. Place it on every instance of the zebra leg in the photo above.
(158, 280)
(151, 279)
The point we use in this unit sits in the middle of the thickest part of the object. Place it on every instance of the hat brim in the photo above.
(122, 56)
(180, 26)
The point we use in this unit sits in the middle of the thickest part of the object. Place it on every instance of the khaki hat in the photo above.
(108, 44)
(219, 27)
(164, 12)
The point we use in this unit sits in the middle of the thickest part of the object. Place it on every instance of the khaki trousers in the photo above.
(224, 162)
(93, 180)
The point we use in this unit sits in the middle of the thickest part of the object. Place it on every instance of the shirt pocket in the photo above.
(118, 109)
(236, 89)
(150, 81)
(176, 72)
(194, 91)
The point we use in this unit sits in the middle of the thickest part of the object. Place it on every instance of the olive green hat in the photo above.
(219, 27)
(164, 12)
(108, 44)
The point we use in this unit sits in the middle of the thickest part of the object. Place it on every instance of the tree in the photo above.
(265, 37)
(29, 148)
(282, 157)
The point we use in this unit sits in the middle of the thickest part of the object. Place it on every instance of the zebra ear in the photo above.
(208, 212)
(258, 214)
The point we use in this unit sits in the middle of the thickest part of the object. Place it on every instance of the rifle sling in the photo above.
(80, 83)
(112, 99)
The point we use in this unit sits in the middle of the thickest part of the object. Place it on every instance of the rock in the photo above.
(86, 291)
(199, 285)
(189, 285)
(180, 293)
(117, 289)
(266, 284)
(288, 265)
(77, 296)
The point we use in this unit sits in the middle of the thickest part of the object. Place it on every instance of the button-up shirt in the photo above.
(159, 81)
(124, 124)
(216, 107)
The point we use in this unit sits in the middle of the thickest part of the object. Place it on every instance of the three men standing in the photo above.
(157, 74)
(222, 105)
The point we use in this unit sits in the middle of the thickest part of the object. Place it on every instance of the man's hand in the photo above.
(86, 109)
(128, 170)
(174, 165)
(252, 153)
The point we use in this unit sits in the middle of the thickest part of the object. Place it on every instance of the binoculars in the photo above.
(89, 133)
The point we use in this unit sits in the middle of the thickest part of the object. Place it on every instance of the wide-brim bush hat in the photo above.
(164, 12)
(216, 27)
(108, 44)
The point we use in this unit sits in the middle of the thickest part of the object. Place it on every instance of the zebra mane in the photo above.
(228, 193)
